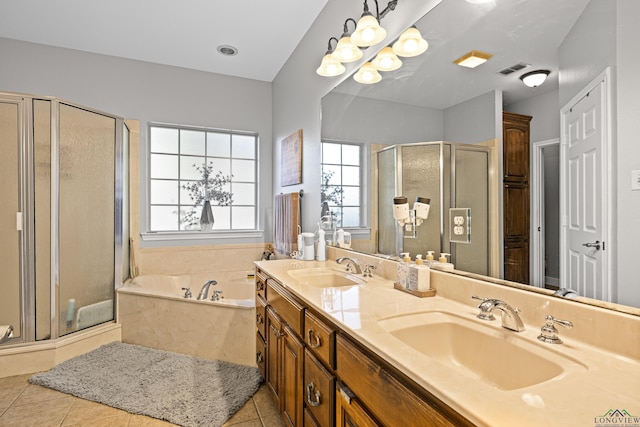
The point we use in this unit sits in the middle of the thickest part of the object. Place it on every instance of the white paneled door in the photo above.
(585, 203)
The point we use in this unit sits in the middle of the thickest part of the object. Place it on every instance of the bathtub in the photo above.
(154, 313)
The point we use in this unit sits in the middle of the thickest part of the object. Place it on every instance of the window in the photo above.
(187, 163)
(341, 184)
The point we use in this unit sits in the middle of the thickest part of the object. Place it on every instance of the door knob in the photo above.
(595, 244)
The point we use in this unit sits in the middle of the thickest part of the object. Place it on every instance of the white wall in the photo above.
(473, 121)
(545, 110)
(146, 92)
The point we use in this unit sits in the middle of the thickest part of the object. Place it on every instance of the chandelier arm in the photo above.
(390, 6)
(346, 27)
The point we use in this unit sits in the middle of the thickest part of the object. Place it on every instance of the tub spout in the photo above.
(6, 332)
(205, 289)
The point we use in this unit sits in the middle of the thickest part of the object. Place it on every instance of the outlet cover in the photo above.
(460, 225)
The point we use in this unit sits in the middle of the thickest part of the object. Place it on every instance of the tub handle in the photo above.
(259, 318)
(310, 400)
(313, 341)
(259, 357)
(187, 292)
(276, 332)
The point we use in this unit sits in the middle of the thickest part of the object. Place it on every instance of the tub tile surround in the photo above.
(603, 346)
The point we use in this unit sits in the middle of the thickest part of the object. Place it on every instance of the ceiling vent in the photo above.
(512, 69)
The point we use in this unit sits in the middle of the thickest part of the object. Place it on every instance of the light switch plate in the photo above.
(460, 225)
(635, 180)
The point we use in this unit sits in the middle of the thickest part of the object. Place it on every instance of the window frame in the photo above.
(364, 227)
(187, 237)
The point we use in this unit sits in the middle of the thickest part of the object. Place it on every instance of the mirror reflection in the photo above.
(483, 139)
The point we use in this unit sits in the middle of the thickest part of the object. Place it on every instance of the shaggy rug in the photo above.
(181, 389)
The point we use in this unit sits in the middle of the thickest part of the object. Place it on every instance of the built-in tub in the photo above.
(154, 313)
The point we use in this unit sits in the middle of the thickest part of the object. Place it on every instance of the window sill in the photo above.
(185, 238)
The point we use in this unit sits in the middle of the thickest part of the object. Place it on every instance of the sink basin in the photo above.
(324, 277)
(498, 358)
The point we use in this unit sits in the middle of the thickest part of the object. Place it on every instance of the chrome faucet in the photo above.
(216, 295)
(510, 318)
(205, 289)
(549, 333)
(6, 332)
(351, 264)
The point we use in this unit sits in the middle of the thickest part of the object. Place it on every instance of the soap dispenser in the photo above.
(443, 262)
(403, 270)
(419, 276)
(429, 258)
(321, 254)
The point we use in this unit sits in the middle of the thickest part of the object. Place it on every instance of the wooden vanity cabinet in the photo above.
(349, 411)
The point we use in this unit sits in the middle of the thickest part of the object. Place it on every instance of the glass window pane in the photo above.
(189, 167)
(351, 196)
(164, 166)
(243, 194)
(351, 175)
(350, 154)
(243, 146)
(221, 165)
(243, 218)
(218, 144)
(244, 170)
(331, 175)
(221, 217)
(192, 142)
(164, 192)
(164, 218)
(164, 140)
(185, 194)
(190, 217)
(333, 195)
(350, 217)
(331, 153)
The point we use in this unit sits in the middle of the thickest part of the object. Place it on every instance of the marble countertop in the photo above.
(581, 397)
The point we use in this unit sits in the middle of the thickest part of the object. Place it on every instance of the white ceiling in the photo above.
(181, 33)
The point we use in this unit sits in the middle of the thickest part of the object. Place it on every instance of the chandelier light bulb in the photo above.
(367, 74)
(386, 60)
(410, 43)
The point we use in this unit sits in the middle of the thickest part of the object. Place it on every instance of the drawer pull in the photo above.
(259, 319)
(259, 286)
(310, 393)
(313, 341)
(275, 331)
(259, 357)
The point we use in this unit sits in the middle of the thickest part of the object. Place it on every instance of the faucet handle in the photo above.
(486, 308)
(549, 333)
(367, 270)
(216, 295)
(187, 292)
(480, 298)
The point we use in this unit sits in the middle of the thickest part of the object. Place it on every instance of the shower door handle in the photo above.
(595, 245)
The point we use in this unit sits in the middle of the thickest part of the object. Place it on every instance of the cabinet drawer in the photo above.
(261, 315)
(349, 412)
(261, 354)
(320, 338)
(287, 308)
(389, 400)
(261, 285)
(319, 389)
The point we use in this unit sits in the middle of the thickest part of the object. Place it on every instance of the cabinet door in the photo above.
(320, 338)
(261, 316)
(291, 396)
(261, 355)
(274, 333)
(319, 388)
(349, 412)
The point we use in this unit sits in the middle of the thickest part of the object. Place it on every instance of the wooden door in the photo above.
(516, 211)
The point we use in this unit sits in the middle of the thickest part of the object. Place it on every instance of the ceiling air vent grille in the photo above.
(512, 69)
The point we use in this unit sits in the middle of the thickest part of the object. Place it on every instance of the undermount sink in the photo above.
(498, 358)
(324, 277)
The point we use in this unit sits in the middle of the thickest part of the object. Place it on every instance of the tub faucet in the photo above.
(6, 332)
(205, 289)
(510, 318)
(351, 264)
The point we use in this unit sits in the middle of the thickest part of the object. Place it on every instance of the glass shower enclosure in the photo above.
(452, 175)
(62, 216)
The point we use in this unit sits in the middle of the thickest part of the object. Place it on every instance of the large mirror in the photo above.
(431, 101)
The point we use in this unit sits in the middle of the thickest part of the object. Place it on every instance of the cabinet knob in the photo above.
(313, 341)
(259, 286)
(311, 394)
(275, 331)
(259, 318)
(259, 357)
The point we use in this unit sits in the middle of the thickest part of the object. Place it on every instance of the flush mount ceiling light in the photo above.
(473, 59)
(227, 50)
(534, 78)
(368, 30)
(410, 43)
(367, 74)
(330, 67)
(346, 51)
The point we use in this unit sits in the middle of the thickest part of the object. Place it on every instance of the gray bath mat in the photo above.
(180, 389)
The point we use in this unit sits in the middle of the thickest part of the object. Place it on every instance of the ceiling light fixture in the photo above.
(534, 78)
(346, 51)
(367, 74)
(386, 60)
(227, 50)
(410, 43)
(330, 67)
(473, 59)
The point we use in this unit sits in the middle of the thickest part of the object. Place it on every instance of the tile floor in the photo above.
(27, 405)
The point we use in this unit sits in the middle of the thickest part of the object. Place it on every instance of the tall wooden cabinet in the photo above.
(515, 155)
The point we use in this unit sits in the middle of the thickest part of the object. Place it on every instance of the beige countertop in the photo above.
(596, 381)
